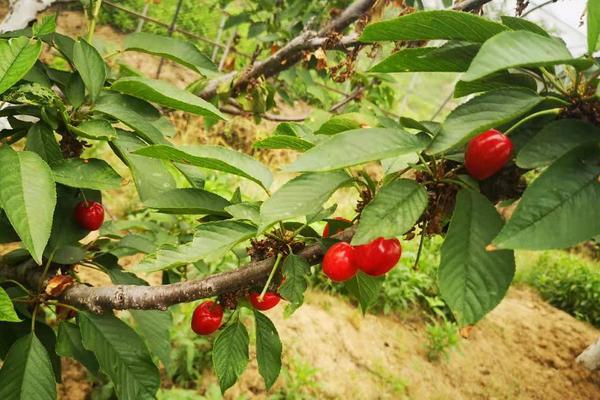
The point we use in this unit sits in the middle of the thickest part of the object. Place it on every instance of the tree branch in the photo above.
(127, 297)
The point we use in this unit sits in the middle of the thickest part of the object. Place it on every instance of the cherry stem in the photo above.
(271, 275)
(84, 198)
(556, 83)
(18, 284)
(421, 242)
(552, 111)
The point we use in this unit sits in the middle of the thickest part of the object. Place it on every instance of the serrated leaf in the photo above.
(89, 173)
(91, 67)
(211, 239)
(183, 52)
(472, 280)
(437, 24)
(121, 354)
(95, 129)
(75, 90)
(393, 211)
(213, 157)
(521, 24)
(295, 270)
(268, 349)
(69, 344)
(27, 372)
(301, 196)
(7, 310)
(230, 354)
(593, 25)
(30, 217)
(150, 176)
(500, 80)
(486, 111)
(41, 140)
(356, 147)
(188, 201)
(451, 57)
(560, 208)
(515, 49)
(165, 94)
(17, 56)
(154, 325)
(345, 122)
(283, 142)
(135, 113)
(365, 289)
(555, 140)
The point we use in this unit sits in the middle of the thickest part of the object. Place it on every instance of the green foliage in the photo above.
(442, 337)
(567, 281)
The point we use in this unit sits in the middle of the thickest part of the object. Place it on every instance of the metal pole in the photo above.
(170, 33)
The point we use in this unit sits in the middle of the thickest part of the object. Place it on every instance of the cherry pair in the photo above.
(208, 316)
(342, 261)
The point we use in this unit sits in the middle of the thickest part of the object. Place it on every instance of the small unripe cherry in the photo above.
(327, 227)
(207, 318)
(339, 262)
(487, 153)
(89, 215)
(64, 313)
(269, 300)
(379, 256)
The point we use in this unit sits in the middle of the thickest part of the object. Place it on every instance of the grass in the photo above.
(568, 281)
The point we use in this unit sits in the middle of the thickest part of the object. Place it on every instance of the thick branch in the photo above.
(126, 297)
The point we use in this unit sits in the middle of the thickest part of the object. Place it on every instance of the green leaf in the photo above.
(355, 147)
(560, 208)
(165, 94)
(472, 280)
(555, 140)
(245, 211)
(345, 122)
(301, 196)
(66, 255)
(44, 27)
(515, 49)
(182, 52)
(69, 344)
(451, 57)
(521, 24)
(593, 25)
(122, 355)
(213, 157)
(135, 113)
(7, 310)
(75, 90)
(230, 354)
(155, 327)
(439, 24)
(268, 349)
(27, 372)
(393, 211)
(295, 271)
(188, 201)
(20, 198)
(17, 56)
(151, 176)
(91, 67)
(283, 142)
(365, 289)
(89, 173)
(485, 111)
(500, 80)
(41, 140)
(212, 239)
(95, 129)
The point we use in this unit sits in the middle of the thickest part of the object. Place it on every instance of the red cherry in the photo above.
(326, 230)
(269, 301)
(379, 256)
(89, 215)
(487, 153)
(339, 262)
(207, 318)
